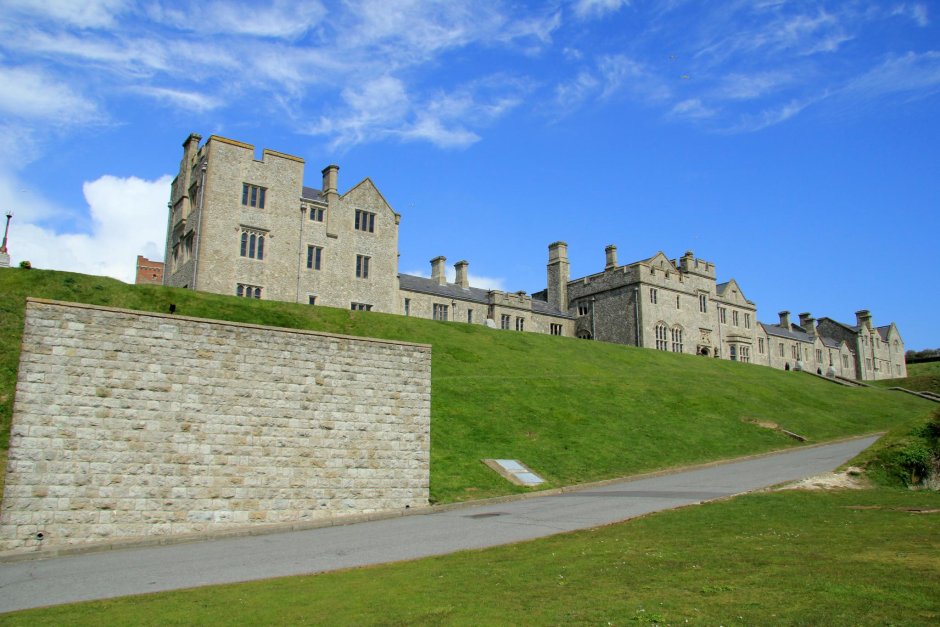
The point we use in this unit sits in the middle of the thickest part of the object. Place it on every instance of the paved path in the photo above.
(130, 571)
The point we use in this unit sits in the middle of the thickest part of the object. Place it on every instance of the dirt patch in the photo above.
(849, 479)
(766, 424)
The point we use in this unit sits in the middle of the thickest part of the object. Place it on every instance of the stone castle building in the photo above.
(248, 227)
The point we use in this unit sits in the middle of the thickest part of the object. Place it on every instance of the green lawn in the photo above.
(865, 557)
(922, 377)
(572, 410)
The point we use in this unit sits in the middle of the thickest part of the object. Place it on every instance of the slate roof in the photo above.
(474, 294)
(850, 327)
(310, 193)
(721, 287)
(883, 332)
(793, 333)
(830, 342)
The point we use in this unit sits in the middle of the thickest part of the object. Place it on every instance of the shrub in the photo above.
(26, 265)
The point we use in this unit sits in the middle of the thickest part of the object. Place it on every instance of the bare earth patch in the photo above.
(851, 478)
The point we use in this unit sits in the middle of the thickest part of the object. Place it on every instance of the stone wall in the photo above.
(128, 424)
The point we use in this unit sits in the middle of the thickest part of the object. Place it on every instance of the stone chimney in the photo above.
(330, 180)
(462, 279)
(611, 253)
(785, 320)
(437, 270)
(687, 261)
(808, 322)
(558, 275)
(863, 318)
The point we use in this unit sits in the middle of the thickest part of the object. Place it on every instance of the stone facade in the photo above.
(128, 424)
(315, 244)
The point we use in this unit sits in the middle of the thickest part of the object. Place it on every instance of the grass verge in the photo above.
(574, 411)
(922, 377)
(793, 558)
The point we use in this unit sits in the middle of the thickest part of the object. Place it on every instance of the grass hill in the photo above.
(922, 377)
(572, 410)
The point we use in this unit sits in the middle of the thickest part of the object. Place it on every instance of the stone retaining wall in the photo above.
(129, 424)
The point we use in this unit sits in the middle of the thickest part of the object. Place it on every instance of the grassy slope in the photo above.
(573, 410)
(923, 377)
(785, 558)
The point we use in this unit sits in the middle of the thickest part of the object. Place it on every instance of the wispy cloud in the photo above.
(915, 11)
(186, 100)
(32, 94)
(83, 14)
(281, 19)
(589, 9)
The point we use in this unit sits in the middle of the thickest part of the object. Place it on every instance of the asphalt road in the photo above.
(133, 571)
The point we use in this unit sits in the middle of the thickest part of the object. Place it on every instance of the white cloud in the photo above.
(80, 13)
(32, 94)
(587, 9)
(771, 116)
(738, 86)
(482, 282)
(915, 11)
(186, 100)
(909, 72)
(287, 19)
(128, 218)
(692, 108)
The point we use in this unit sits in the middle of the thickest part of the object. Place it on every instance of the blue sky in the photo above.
(794, 144)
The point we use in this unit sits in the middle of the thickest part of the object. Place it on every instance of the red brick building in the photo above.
(149, 271)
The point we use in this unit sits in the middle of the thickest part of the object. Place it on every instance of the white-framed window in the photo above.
(520, 323)
(365, 221)
(653, 295)
(362, 266)
(253, 195)
(555, 329)
(314, 257)
(677, 339)
(252, 244)
(360, 307)
(662, 335)
(504, 321)
(248, 291)
(439, 312)
(746, 354)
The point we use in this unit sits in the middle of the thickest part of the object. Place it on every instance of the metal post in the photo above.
(6, 231)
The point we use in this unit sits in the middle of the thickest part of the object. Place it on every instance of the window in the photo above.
(734, 317)
(582, 309)
(520, 324)
(253, 196)
(733, 352)
(504, 321)
(360, 307)
(248, 291)
(661, 341)
(819, 355)
(805, 354)
(314, 257)
(747, 320)
(469, 316)
(845, 362)
(868, 364)
(407, 306)
(781, 349)
(795, 351)
(677, 301)
(677, 340)
(722, 315)
(365, 221)
(311, 299)
(746, 354)
(362, 266)
(316, 214)
(440, 312)
(760, 345)
(653, 295)
(555, 329)
(252, 245)
(703, 303)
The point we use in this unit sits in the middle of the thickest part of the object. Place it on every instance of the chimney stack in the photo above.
(808, 322)
(462, 279)
(330, 179)
(558, 275)
(611, 253)
(785, 320)
(437, 270)
(863, 318)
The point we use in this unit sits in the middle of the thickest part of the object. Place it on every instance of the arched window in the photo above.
(661, 337)
(677, 339)
(251, 245)
(260, 247)
(244, 244)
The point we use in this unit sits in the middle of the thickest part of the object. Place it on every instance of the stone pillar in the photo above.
(611, 253)
(462, 279)
(558, 275)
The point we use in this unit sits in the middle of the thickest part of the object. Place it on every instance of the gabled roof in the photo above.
(367, 182)
(722, 288)
(848, 327)
(660, 260)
